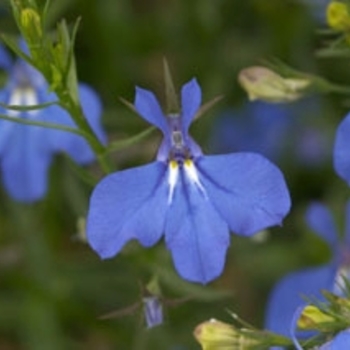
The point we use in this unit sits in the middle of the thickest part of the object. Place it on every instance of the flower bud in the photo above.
(312, 318)
(264, 84)
(338, 16)
(31, 24)
(217, 335)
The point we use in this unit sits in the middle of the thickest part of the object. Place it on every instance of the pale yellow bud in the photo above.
(262, 83)
(217, 335)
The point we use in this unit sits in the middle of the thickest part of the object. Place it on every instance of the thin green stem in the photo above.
(76, 112)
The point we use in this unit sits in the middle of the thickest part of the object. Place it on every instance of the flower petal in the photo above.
(191, 97)
(196, 235)
(129, 204)
(341, 149)
(321, 221)
(247, 190)
(288, 295)
(148, 107)
(25, 163)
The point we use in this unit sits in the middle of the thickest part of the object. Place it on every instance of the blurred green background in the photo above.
(53, 287)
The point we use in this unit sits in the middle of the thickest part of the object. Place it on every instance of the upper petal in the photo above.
(196, 235)
(148, 107)
(191, 97)
(129, 204)
(25, 163)
(341, 149)
(288, 295)
(247, 190)
(321, 221)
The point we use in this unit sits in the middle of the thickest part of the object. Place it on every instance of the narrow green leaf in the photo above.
(128, 105)
(172, 103)
(45, 125)
(28, 108)
(12, 44)
(333, 52)
(118, 145)
(208, 105)
(45, 10)
(71, 74)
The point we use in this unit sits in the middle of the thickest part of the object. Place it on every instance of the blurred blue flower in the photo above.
(287, 295)
(194, 199)
(26, 151)
(278, 131)
(341, 149)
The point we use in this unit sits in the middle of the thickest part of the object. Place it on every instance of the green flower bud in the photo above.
(31, 24)
(312, 318)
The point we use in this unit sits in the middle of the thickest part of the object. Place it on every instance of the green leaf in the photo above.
(12, 44)
(208, 105)
(28, 108)
(333, 52)
(172, 103)
(118, 145)
(44, 125)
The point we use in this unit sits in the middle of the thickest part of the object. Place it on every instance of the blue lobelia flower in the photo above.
(192, 198)
(287, 295)
(26, 151)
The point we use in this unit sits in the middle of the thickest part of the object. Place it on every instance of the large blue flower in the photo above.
(287, 295)
(195, 200)
(26, 151)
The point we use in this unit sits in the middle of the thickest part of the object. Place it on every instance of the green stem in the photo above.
(76, 112)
